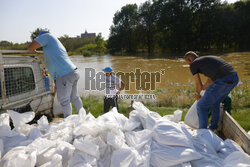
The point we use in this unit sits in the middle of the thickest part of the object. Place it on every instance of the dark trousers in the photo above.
(110, 102)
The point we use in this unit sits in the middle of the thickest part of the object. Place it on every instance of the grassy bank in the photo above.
(94, 105)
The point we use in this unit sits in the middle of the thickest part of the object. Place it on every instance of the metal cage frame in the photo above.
(8, 102)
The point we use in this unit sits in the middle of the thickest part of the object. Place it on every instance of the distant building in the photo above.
(86, 34)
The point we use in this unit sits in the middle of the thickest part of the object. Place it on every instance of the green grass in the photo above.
(94, 104)
(168, 110)
(242, 116)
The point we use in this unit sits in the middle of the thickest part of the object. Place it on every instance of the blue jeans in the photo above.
(212, 98)
(66, 88)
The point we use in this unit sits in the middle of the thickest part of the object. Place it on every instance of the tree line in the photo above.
(161, 26)
(85, 46)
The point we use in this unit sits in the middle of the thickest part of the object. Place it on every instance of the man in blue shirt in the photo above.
(61, 69)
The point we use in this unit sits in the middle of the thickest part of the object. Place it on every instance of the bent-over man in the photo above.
(61, 69)
(221, 79)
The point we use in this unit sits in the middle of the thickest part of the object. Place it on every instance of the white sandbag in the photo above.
(101, 144)
(24, 129)
(209, 154)
(90, 117)
(77, 119)
(43, 123)
(134, 117)
(88, 128)
(63, 134)
(139, 139)
(151, 120)
(64, 149)
(117, 119)
(168, 117)
(145, 153)
(233, 145)
(20, 119)
(46, 156)
(82, 113)
(80, 159)
(126, 157)
(4, 119)
(143, 111)
(143, 115)
(171, 155)
(1, 148)
(19, 156)
(177, 116)
(191, 118)
(237, 159)
(110, 127)
(34, 134)
(14, 140)
(5, 130)
(57, 108)
(55, 162)
(169, 133)
(113, 116)
(105, 157)
(131, 125)
(212, 138)
(60, 126)
(87, 147)
(116, 141)
(185, 164)
(207, 160)
(41, 146)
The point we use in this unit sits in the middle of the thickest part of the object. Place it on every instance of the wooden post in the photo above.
(2, 79)
(129, 109)
(232, 130)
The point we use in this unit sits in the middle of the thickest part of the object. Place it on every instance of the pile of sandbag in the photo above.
(112, 140)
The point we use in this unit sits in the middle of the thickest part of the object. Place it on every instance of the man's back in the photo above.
(56, 56)
(211, 66)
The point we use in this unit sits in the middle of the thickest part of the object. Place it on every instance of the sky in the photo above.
(18, 18)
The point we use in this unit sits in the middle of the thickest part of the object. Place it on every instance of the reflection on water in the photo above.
(176, 76)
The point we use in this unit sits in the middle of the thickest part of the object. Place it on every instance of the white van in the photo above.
(23, 87)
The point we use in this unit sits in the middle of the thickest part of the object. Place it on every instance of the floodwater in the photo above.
(174, 73)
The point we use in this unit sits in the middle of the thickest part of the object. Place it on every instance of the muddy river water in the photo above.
(158, 76)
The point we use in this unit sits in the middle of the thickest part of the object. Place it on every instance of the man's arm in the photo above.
(199, 86)
(33, 46)
(208, 82)
(121, 88)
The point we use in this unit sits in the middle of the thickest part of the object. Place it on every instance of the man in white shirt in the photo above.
(113, 87)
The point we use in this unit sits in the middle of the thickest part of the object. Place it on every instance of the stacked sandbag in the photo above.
(112, 140)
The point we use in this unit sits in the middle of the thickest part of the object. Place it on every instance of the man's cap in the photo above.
(109, 69)
(42, 32)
